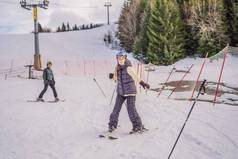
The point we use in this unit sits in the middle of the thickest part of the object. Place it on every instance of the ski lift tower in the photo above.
(28, 6)
(108, 5)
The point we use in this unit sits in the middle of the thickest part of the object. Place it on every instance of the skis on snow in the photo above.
(36, 101)
(139, 132)
(112, 136)
(61, 100)
(109, 136)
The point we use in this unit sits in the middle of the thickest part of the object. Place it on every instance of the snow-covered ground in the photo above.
(70, 129)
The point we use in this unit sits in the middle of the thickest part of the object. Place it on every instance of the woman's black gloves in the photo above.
(144, 85)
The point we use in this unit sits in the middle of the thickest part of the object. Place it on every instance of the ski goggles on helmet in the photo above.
(121, 54)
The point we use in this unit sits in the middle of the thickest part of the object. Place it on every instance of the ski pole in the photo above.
(147, 79)
(140, 74)
(99, 87)
(137, 72)
(181, 131)
(113, 95)
(180, 82)
(166, 81)
(219, 80)
(200, 72)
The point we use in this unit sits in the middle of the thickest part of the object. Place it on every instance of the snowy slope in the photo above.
(70, 130)
(57, 47)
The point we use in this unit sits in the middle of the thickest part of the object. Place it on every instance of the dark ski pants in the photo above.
(45, 89)
(131, 109)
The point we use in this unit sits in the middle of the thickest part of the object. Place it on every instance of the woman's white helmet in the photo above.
(121, 53)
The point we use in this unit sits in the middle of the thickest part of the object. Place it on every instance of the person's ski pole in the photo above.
(180, 82)
(181, 131)
(113, 94)
(100, 87)
(167, 80)
(147, 79)
(141, 66)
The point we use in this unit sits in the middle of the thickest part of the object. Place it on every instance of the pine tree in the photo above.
(205, 16)
(141, 41)
(63, 29)
(235, 7)
(75, 27)
(235, 37)
(191, 38)
(68, 27)
(165, 33)
(129, 23)
(58, 29)
(83, 27)
(91, 26)
(40, 30)
(47, 30)
(230, 16)
(212, 30)
(122, 30)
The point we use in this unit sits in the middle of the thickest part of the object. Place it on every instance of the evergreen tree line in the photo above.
(44, 29)
(164, 31)
(66, 27)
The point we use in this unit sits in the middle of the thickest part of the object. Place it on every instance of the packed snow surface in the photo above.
(70, 129)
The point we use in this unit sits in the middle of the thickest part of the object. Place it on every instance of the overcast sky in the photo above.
(14, 19)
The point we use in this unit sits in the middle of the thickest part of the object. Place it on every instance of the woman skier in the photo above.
(126, 90)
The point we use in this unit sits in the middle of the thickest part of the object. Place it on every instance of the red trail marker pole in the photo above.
(219, 80)
(199, 75)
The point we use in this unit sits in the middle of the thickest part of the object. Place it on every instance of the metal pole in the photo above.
(28, 6)
(113, 95)
(181, 131)
(100, 87)
(108, 4)
(108, 15)
(37, 50)
(141, 66)
(37, 60)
